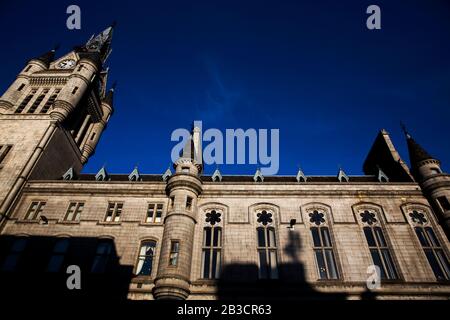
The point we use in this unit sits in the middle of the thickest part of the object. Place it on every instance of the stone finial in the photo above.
(134, 175)
(167, 174)
(301, 176)
(217, 176)
(258, 177)
(101, 175)
(342, 176)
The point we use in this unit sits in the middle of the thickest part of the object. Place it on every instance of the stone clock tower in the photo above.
(52, 115)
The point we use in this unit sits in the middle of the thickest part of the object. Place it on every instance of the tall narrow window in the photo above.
(27, 69)
(4, 150)
(15, 252)
(267, 247)
(74, 211)
(443, 202)
(174, 252)
(267, 253)
(114, 212)
(211, 253)
(57, 258)
(154, 213)
(24, 103)
(380, 252)
(50, 102)
(434, 252)
(188, 203)
(323, 252)
(102, 255)
(37, 102)
(22, 85)
(35, 210)
(145, 259)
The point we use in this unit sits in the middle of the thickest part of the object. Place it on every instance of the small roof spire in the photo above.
(405, 131)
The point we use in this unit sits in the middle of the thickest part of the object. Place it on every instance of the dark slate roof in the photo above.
(236, 178)
(416, 152)
(46, 58)
(381, 156)
(94, 57)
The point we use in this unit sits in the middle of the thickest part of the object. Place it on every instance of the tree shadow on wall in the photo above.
(241, 281)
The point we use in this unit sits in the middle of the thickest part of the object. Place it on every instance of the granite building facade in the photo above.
(187, 235)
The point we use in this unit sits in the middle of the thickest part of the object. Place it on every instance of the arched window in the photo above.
(57, 258)
(267, 246)
(323, 247)
(102, 255)
(378, 246)
(15, 252)
(212, 246)
(431, 246)
(145, 260)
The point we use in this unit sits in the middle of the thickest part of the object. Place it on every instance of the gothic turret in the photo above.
(97, 128)
(435, 184)
(183, 189)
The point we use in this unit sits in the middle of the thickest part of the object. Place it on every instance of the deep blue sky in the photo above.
(309, 68)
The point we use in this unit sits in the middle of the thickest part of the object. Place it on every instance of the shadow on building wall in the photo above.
(29, 277)
(241, 281)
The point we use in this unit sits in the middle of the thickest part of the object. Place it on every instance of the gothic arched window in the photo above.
(431, 245)
(58, 255)
(378, 246)
(212, 246)
(323, 246)
(267, 246)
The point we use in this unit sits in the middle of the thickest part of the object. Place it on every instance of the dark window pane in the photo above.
(325, 237)
(443, 201)
(369, 237)
(434, 264)
(331, 264)
(261, 238)
(207, 237)
(263, 266)
(322, 269)
(273, 264)
(316, 237)
(432, 236)
(391, 272)
(271, 237)
(380, 237)
(444, 262)
(55, 263)
(217, 235)
(206, 261)
(377, 261)
(421, 235)
(214, 264)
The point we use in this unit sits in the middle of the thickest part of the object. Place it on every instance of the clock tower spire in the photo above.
(53, 114)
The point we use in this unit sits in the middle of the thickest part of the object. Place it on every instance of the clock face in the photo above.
(67, 64)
